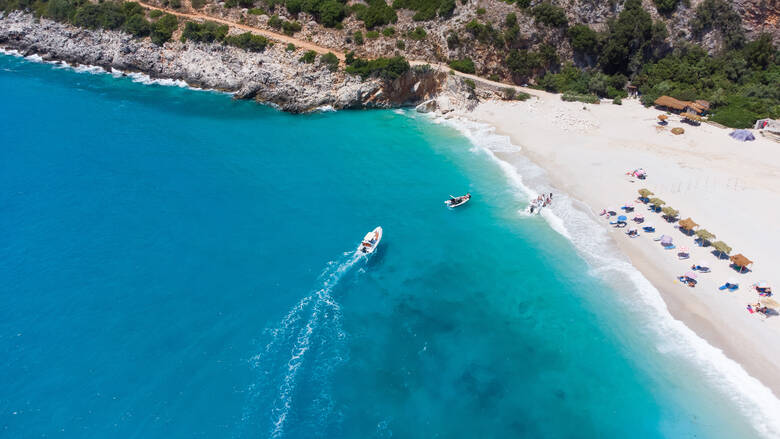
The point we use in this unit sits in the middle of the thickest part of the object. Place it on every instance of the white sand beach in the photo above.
(729, 187)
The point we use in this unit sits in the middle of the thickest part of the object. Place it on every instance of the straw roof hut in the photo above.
(670, 103)
(722, 247)
(645, 193)
(677, 131)
(688, 224)
(657, 202)
(704, 234)
(705, 105)
(740, 260)
(662, 117)
(678, 106)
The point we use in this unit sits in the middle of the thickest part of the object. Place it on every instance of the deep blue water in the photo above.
(174, 263)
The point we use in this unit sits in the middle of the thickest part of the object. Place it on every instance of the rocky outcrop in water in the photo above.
(274, 75)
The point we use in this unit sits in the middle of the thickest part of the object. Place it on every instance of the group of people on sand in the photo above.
(757, 307)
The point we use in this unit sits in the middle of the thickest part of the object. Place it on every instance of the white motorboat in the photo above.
(458, 201)
(370, 241)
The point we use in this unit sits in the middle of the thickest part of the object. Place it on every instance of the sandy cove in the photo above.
(731, 188)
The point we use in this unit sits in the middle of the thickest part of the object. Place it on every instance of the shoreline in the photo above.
(273, 76)
(588, 168)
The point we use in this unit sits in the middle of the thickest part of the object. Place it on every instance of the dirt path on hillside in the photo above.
(308, 45)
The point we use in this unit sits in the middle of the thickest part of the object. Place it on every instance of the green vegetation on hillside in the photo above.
(427, 9)
(377, 13)
(385, 68)
(465, 65)
(666, 6)
(719, 15)
(550, 15)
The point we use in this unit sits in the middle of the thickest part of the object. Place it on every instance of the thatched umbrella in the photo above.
(722, 247)
(688, 224)
(740, 261)
(670, 211)
(657, 202)
(677, 131)
(705, 235)
(662, 117)
(645, 193)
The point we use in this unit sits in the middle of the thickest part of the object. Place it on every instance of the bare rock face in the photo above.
(275, 75)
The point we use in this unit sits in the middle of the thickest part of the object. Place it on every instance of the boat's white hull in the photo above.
(370, 242)
(461, 202)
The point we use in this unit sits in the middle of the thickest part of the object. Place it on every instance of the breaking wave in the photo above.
(573, 220)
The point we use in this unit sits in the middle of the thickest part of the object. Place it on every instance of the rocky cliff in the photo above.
(274, 76)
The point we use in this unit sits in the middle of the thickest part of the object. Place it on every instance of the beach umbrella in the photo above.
(670, 211)
(691, 275)
(657, 202)
(742, 135)
(644, 193)
(666, 240)
(722, 247)
(677, 131)
(639, 216)
(687, 224)
(662, 117)
(629, 205)
(762, 284)
(622, 218)
(704, 235)
(683, 250)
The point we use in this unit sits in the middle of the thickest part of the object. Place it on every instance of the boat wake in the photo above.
(292, 387)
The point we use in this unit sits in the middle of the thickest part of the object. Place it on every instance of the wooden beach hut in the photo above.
(739, 261)
(673, 105)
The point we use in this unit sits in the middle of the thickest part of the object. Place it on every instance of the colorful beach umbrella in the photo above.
(691, 275)
(622, 218)
(762, 284)
(666, 240)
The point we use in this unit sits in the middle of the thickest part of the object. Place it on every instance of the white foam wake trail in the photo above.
(572, 219)
(311, 328)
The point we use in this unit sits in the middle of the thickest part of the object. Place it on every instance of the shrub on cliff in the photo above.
(426, 9)
(208, 31)
(248, 41)
(550, 15)
(632, 40)
(666, 6)
(376, 13)
(163, 29)
(583, 39)
(385, 68)
(465, 65)
(485, 33)
(308, 57)
(291, 27)
(418, 34)
(330, 60)
(719, 15)
(138, 26)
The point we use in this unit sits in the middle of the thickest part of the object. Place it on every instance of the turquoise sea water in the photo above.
(178, 264)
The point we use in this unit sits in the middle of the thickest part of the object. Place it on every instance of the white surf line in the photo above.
(756, 401)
